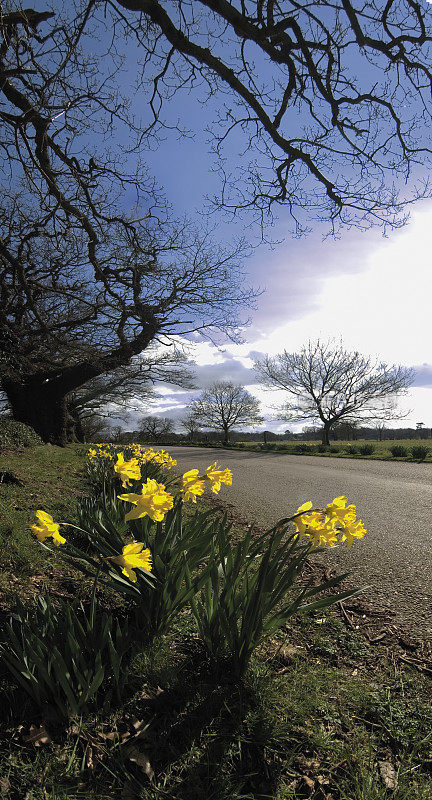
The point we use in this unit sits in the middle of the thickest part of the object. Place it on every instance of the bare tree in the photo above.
(332, 101)
(155, 429)
(85, 286)
(380, 428)
(329, 384)
(128, 389)
(191, 424)
(224, 405)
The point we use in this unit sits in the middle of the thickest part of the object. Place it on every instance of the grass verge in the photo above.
(49, 478)
(340, 449)
(327, 711)
(319, 716)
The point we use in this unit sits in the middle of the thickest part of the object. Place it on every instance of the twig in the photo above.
(346, 617)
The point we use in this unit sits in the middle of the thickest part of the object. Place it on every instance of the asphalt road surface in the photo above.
(394, 500)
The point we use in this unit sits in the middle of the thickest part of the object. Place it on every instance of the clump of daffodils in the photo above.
(100, 451)
(334, 524)
(153, 500)
(193, 484)
(140, 455)
(329, 526)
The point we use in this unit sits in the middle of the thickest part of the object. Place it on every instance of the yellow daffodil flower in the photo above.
(133, 556)
(354, 530)
(153, 501)
(127, 470)
(47, 528)
(324, 526)
(339, 509)
(192, 485)
(217, 476)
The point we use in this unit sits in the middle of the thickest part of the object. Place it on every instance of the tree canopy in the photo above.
(328, 104)
(224, 405)
(330, 385)
(331, 101)
(88, 279)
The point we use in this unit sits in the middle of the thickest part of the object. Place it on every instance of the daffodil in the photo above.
(192, 485)
(353, 530)
(339, 509)
(133, 556)
(300, 522)
(324, 526)
(153, 501)
(46, 528)
(127, 470)
(217, 476)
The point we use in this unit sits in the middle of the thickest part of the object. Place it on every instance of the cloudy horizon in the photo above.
(372, 292)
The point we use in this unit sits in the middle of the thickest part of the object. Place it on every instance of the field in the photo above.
(334, 706)
(344, 448)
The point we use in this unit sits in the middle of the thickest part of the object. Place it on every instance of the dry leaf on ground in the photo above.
(141, 759)
(38, 736)
(388, 774)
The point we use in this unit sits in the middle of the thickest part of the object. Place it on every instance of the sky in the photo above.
(372, 291)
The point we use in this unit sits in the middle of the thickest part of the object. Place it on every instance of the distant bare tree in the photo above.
(225, 405)
(155, 429)
(330, 385)
(422, 431)
(117, 434)
(380, 428)
(190, 424)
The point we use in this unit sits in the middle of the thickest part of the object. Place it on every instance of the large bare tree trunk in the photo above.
(325, 434)
(38, 404)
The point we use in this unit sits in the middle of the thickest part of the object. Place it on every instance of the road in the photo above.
(394, 500)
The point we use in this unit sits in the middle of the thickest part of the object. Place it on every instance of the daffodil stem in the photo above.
(93, 597)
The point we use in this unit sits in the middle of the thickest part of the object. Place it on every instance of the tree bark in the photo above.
(40, 400)
(325, 434)
(41, 406)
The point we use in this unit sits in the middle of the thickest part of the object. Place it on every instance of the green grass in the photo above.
(52, 481)
(339, 449)
(320, 710)
(303, 725)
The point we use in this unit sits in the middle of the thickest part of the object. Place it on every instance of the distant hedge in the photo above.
(15, 434)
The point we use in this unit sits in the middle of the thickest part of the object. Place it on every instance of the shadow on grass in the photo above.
(211, 739)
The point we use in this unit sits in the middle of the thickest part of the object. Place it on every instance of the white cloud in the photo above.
(372, 292)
